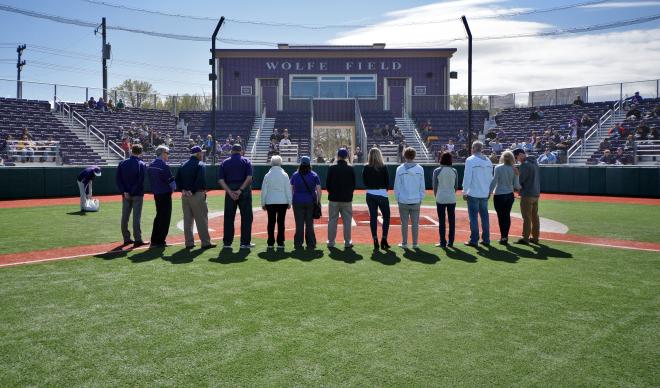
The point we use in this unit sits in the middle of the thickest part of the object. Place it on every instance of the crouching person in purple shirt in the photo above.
(84, 180)
(130, 182)
(162, 186)
(235, 177)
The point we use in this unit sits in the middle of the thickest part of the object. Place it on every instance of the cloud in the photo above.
(624, 4)
(522, 64)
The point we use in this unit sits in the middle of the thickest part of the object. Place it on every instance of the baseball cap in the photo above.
(305, 161)
(518, 151)
(195, 150)
(97, 171)
(342, 153)
(236, 148)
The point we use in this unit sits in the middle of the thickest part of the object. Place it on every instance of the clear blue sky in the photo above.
(184, 63)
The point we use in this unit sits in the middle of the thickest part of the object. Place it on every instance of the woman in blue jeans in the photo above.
(445, 183)
(377, 181)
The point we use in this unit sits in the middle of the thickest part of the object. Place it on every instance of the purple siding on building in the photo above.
(425, 71)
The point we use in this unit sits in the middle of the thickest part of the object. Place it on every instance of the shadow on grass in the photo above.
(306, 254)
(78, 213)
(538, 252)
(457, 254)
(227, 256)
(385, 257)
(274, 255)
(183, 256)
(147, 255)
(348, 255)
(114, 253)
(490, 252)
(421, 256)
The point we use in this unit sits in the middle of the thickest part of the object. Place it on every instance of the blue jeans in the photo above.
(478, 208)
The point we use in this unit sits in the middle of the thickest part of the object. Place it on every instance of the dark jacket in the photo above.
(160, 177)
(340, 182)
(375, 178)
(130, 176)
(191, 176)
(530, 179)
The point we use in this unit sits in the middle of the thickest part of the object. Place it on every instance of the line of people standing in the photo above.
(302, 192)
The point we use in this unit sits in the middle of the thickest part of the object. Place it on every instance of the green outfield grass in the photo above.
(62, 226)
(558, 315)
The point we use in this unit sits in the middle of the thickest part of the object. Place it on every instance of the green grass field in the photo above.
(554, 315)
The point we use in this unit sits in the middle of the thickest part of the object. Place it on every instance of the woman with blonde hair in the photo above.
(377, 181)
(505, 182)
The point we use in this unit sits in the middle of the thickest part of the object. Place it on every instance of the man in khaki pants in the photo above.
(191, 180)
(530, 191)
(340, 184)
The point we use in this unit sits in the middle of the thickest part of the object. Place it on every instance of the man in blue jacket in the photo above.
(162, 186)
(130, 182)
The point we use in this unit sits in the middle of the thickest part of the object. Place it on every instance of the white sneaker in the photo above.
(402, 246)
(280, 247)
(248, 246)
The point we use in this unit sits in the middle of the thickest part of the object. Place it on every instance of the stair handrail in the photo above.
(411, 125)
(114, 147)
(359, 122)
(98, 134)
(253, 151)
(311, 127)
(594, 129)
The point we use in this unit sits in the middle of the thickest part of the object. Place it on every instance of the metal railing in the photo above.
(360, 129)
(116, 149)
(593, 130)
(253, 151)
(311, 127)
(411, 125)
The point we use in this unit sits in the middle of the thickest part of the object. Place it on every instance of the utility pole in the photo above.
(469, 34)
(19, 67)
(105, 52)
(213, 78)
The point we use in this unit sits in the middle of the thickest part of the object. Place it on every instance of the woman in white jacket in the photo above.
(409, 190)
(276, 200)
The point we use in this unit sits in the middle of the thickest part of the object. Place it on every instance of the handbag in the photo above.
(316, 211)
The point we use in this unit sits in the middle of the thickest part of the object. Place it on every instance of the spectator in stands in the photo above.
(162, 185)
(226, 148)
(490, 135)
(654, 134)
(235, 177)
(607, 158)
(450, 146)
(504, 183)
(402, 145)
(26, 133)
(396, 133)
(527, 146)
(643, 129)
(426, 132)
(409, 190)
(536, 114)
(319, 154)
(621, 158)
(605, 144)
(239, 140)
(85, 179)
(130, 182)
(376, 181)
(496, 146)
(636, 99)
(656, 111)
(276, 200)
(191, 180)
(586, 121)
(10, 147)
(111, 105)
(630, 143)
(530, 191)
(340, 185)
(100, 105)
(285, 141)
(578, 101)
(51, 149)
(476, 183)
(634, 113)
(616, 131)
(208, 145)
(548, 157)
(461, 136)
(273, 148)
(306, 188)
(26, 148)
(359, 155)
(445, 184)
(285, 133)
(91, 104)
(275, 135)
(120, 104)
(377, 131)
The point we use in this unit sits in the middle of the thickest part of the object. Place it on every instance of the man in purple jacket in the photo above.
(85, 179)
(130, 182)
(162, 186)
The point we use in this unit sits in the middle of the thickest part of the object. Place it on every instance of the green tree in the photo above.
(137, 94)
(459, 102)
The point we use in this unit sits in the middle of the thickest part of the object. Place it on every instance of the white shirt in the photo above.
(285, 141)
(276, 187)
(477, 177)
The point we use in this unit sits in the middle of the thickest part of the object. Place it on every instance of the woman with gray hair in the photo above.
(276, 200)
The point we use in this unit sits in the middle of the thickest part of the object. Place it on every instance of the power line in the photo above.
(342, 26)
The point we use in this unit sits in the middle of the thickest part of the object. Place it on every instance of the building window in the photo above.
(333, 87)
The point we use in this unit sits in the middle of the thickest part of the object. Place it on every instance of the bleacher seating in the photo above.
(234, 123)
(42, 124)
(446, 125)
(378, 119)
(163, 122)
(298, 124)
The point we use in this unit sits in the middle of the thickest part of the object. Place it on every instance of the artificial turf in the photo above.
(555, 315)
(44, 227)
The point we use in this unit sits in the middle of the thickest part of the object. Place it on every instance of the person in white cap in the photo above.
(162, 185)
(85, 179)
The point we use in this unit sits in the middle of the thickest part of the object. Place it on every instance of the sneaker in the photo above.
(503, 241)
(523, 241)
(471, 244)
(348, 245)
(189, 247)
(451, 244)
(209, 246)
(157, 245)
(128, 242)
(441, 245)
(402, 246)
(534, 241)
(248, 246)
(415, 246)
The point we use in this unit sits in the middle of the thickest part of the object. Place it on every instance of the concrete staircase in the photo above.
(413, 139)
(108, 157)
(592, 145)
(262, 141)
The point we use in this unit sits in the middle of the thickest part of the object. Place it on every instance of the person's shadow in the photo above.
(78, 213)
(494, 254)
(421, 256)
(114, 253)
(348, 255)
(387, 257)
(227, 256)
(306, 254)
(274, 255)
(457, 254)
(183, 256)
(147, 255)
